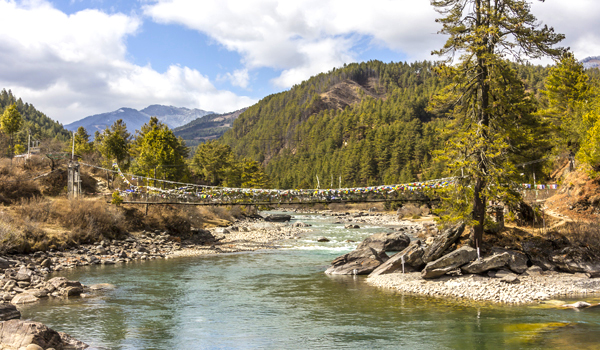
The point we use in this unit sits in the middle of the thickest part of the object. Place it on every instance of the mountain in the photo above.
(209, 127)
(174, 116)
(591, 62)
(363, 124)
(134, 119)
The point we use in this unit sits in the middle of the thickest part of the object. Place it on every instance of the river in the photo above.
(281, 299)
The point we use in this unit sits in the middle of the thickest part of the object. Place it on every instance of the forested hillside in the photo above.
(363, 124)
(40, 126)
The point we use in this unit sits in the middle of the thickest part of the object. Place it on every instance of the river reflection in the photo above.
(282, 300)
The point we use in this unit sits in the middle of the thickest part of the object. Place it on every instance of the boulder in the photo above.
(351, 226)
(533, 271)
(358, 262)
(19, 334)
(204, 237)
(488, 263)
(510, 278)
(4, 264)
(517, 262)
(412, 257)
(393, 241)
(442, 242)
(278, 218)
(323, 239)
(24, 274)
(449, 262)
(300, 224)
(65, 287)
(24, 298)
(539, 251)
(9, 312)
(578, 305)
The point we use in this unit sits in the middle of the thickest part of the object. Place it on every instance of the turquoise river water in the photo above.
(281, 299)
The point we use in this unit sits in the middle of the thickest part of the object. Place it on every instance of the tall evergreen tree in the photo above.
(485, 32)
(156, 147)
(11, 122)
(113, 144)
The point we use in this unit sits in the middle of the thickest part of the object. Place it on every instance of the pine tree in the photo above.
(485, 32)
(11, 122)
(113, 144)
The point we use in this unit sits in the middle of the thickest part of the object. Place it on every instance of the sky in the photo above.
(75, 58)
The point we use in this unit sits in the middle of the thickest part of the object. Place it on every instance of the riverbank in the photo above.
(528, 288)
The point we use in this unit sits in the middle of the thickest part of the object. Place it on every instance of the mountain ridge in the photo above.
(172, 116)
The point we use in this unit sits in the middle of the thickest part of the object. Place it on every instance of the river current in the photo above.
(281, 299)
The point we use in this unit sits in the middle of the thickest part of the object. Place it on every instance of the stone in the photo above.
(102, 286)
(442, 242)
(10, 285)
(578, 305)
(358, 262)
(351, 226)
(510, 278)
(22, 333)
(9, 312)
(24, 274)
(533, 271)
(33, 347)
(449, 262)
(24, 298)
(46, 263)
(323, 239)
(412, 257)
(38, 293)
(488, 263)
(4, 264)
(300, 224)
(278, 218)
(393, 241)
(71, 343)
(517, 262)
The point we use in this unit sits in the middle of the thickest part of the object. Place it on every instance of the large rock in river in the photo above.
(393, 241)
(412, 257)
(449, 262)
(9, 312)
(357, 262)
(442, 242)
(278, 218)
(15, 334)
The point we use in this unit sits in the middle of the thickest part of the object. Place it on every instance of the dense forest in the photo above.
(384, 133)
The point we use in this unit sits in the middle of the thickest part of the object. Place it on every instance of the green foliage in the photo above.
(568, 93)
(589, 152)
(11, 122)
(35, 122)
(113, 145)
(217, 165)
(380, 133)
(82, 142)
(155, 147)
(491, 111)
(116, 199)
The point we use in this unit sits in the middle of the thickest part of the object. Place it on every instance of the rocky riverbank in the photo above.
(532, 286)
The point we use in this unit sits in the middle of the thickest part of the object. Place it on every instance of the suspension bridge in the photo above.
(151, 191)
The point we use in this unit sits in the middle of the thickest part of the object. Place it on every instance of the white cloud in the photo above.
(577, 19)
(72, 66)
(305, 37)
(239, 77)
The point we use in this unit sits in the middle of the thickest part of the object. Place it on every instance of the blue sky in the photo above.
(74, 58)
